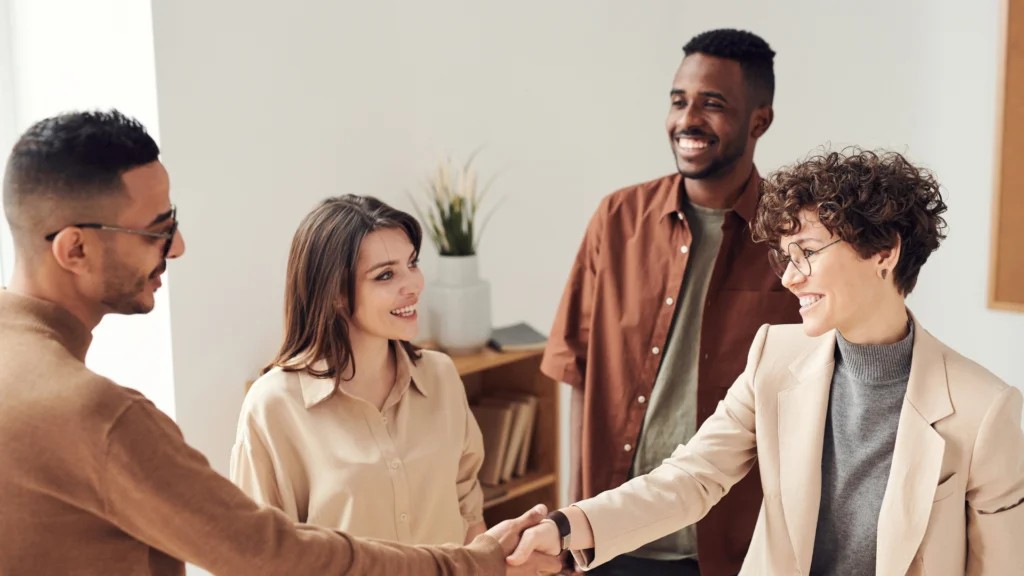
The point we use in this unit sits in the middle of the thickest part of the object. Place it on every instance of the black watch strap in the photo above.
(564, 528)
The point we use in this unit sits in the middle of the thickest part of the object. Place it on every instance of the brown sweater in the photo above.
(94, 479)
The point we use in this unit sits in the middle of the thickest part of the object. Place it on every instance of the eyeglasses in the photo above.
(797, 255)
(167, 236)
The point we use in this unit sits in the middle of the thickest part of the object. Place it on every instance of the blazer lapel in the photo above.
(916, 459)
(802, 412)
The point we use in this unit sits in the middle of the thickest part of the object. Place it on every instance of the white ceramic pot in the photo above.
(460, 305)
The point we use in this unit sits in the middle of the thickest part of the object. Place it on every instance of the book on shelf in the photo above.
(506, 422)
(526, 430)
(519, 337)
(495, 422)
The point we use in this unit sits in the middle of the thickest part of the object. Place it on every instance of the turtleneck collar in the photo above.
(876, 362)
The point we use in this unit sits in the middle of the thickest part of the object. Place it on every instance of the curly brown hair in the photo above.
(868, 199)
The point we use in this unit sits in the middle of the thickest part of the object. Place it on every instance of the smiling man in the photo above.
(94, 479)
(665, 297)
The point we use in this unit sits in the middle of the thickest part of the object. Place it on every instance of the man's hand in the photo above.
(508, 534)
(542, 538)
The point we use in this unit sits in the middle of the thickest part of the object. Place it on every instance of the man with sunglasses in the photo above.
(94, 479)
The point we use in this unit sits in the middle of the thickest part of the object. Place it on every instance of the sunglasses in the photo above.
(168, 236)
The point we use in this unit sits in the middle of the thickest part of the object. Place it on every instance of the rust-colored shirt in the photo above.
(612, 326)
(95, 480)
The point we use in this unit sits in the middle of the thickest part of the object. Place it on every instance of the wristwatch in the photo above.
(564, 528)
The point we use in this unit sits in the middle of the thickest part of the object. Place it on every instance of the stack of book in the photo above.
(506, 422)
(519, 337)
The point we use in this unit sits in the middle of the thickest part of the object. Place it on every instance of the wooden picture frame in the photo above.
(1006, 266)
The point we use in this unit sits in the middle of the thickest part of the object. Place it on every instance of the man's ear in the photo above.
(763, 117)
(71, 251)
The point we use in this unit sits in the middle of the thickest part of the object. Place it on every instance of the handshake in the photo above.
(531, 545)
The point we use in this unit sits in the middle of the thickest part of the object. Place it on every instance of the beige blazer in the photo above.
(952, 505)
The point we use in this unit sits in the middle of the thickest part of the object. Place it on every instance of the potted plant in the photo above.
(460, 301)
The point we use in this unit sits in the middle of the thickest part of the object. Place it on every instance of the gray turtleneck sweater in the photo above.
(868, 387)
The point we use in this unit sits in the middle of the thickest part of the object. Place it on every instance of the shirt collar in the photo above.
(745, 206)
(59, 322)
(317, 390)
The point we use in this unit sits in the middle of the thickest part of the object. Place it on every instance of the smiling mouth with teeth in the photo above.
(404, 312)
(686, 143)
(808, 301)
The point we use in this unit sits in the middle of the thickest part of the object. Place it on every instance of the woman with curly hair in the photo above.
(881, 450)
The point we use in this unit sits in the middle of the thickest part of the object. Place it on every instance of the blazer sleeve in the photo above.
(682, 490)
(995, 491)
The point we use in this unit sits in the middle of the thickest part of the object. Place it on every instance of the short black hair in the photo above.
(755, 56)
(77, 156)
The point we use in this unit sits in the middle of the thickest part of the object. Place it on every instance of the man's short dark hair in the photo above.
(78, 156)
(750, 50)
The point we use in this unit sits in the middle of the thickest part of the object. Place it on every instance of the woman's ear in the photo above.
(341, 306)
(886, 260)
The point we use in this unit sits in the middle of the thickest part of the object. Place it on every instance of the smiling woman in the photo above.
(880, 449)
(886, 217)
(349, 406)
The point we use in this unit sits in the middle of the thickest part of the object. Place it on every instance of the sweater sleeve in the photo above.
(164, 493)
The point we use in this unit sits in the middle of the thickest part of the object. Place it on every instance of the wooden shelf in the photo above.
(486, 359)
(531, 482)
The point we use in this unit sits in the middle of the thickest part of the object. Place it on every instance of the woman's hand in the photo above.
(543, 538)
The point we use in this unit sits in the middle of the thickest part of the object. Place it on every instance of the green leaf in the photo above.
(453, 203)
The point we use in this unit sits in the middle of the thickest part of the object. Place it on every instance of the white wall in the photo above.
(8, 133)
(959, 142)
(72, 55)
(265, 109)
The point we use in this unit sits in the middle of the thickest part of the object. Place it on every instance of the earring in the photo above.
(884, 273)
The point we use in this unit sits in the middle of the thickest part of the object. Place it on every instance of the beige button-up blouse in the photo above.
(407, 473)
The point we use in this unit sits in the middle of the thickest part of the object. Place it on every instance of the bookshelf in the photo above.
(518, 372)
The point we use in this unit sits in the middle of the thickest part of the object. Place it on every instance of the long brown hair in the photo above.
(319, 299)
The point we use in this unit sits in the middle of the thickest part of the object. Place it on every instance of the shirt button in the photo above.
(642, 399)
(655, 350)
(404, 517)
(668, 301)
(385, 419)
(627, 447)
(679, 215)
(394, 464)
(684, 249)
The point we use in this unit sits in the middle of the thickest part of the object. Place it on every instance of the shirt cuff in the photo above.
(491, 548)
